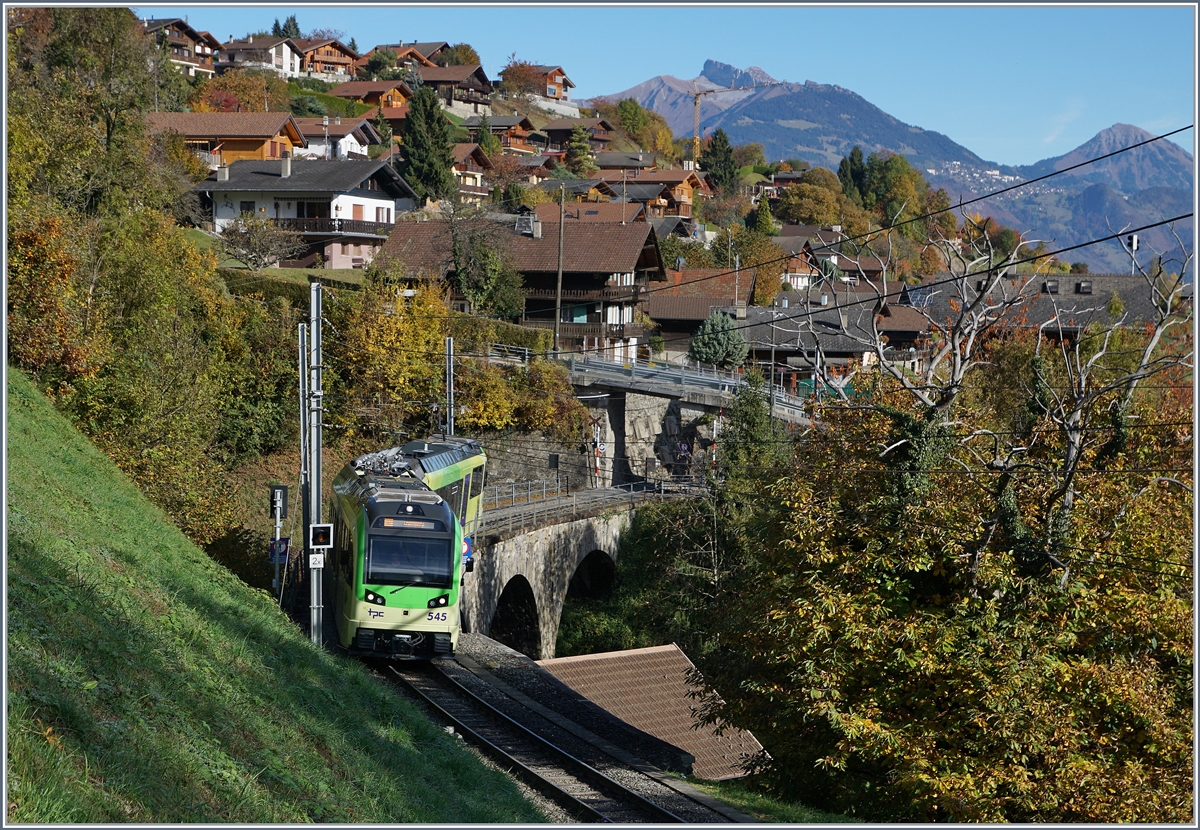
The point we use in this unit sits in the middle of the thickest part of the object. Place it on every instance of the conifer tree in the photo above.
(489, 143)
(720, 164)
(764, 223)
(428, 147)
(579, 152)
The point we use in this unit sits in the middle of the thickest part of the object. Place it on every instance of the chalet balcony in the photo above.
(471, 96)
(623, 330)
(345, 227)
(608, 293)
(567, 329)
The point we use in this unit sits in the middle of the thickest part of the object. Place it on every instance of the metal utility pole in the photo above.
(305, 483)
(772, 358)
(450, 386)
(316, 561)
(562, 211)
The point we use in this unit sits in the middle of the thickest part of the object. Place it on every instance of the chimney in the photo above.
(824, 298)
(537, 229)
(337, 119)
(286, 165)
(250, 39)
(222, 173)
(739, 309)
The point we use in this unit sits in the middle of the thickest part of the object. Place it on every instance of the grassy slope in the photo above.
(148, 684)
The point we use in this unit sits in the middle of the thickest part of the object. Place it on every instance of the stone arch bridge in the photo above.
(533, 555)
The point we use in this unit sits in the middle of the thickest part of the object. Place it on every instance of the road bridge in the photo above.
(532, 555)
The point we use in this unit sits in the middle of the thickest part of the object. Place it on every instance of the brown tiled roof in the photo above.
(458, 73)
(461, 152)
(222, 124)
(666, 307)
(359, 89)
(588, 247)
(645, 176)
(719, 283)
(648, 689)
(591, 212)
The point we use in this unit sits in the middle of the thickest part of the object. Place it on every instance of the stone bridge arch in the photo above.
(547, 559)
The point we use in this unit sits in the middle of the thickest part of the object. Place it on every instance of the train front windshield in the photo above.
(408, 560)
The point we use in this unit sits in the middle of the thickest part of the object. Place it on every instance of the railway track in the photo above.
(575, 786)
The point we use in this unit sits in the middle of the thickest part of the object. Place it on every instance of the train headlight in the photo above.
(375, 598)
(440, 602)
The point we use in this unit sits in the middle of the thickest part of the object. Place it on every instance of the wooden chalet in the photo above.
(327, 58)
(195, 53)
(470, 166)
(558, 132)
(680, 187)
(512, 130)
(462, 89)
(376, 93)
(221, 138)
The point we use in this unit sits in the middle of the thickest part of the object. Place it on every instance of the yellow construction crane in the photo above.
(696, 110)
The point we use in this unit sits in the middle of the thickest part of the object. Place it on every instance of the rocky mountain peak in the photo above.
(722, 74)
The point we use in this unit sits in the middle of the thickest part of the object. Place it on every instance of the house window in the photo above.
(1083, 287)
(1050, 287)
(558, 79)
(549, 92)
(345, 249)
(246, 208)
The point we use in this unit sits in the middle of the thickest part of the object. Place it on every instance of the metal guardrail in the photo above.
(523, 492)
(668, 376)
(582, 504)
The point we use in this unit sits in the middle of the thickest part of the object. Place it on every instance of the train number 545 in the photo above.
(437, 616)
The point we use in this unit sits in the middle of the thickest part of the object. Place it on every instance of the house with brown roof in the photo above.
(649, 688)
(406, 57)
(343, 210)
(337, 137)
(681, 187)
(225, 137)
(558, 132)
(689, 297)
(273, 54)
(431, 50)
(470, 166)
(605, 266)
(195, 53)
(374, 93)
(463, 90)
(554, 79)
(619, 212)
(631, 162)
(512, 130)
(327, 59)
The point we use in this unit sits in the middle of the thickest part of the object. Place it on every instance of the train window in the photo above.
(477, 482)
(398, 560)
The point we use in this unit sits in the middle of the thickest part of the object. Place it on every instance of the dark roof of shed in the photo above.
(625, 160)
(648, 689)
(1075, 309)
(635, 191)
(495, 121)
(572, 123)
(317, 176)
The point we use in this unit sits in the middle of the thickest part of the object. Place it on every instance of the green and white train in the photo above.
(404, 520)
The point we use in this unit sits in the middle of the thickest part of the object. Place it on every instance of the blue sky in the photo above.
(1014, 84)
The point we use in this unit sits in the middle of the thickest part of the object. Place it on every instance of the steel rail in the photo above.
(568, 781)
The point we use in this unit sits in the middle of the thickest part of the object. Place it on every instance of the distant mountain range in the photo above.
(821, 123)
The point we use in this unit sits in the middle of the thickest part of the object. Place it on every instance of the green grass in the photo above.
(741, 794)
(146, 683)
